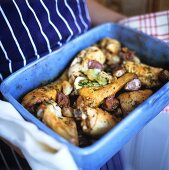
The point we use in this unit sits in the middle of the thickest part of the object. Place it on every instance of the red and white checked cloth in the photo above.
(154, 24)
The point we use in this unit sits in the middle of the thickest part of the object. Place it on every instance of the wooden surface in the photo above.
(136, 7)
(164, 5)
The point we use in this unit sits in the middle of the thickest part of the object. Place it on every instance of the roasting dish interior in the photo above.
(102, 85)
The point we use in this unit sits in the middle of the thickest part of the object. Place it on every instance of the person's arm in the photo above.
(100, 14)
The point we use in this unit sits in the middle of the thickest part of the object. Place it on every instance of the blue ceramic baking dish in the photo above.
(151, 51)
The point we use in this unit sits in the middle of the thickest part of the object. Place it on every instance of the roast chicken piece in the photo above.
(38, 96)
(58, 116)
(45, 93)
(130, 100)
(96, 122)
(94, 96)
(91, 57)
(50, 113)
(149, 76)
(86, 70)
(112, 45)
(111, 49)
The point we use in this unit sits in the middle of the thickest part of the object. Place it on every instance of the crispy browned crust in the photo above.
(37, 96)
(148, 75)
(97, 122)
(44, 93)
(130, 100)
(64, 126)
(94, 97)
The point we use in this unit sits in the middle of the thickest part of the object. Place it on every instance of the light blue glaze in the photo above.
(48, 68)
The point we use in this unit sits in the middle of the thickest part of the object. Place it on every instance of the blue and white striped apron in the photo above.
(30, 29)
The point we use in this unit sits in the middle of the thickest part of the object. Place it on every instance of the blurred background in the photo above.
(136, 7)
